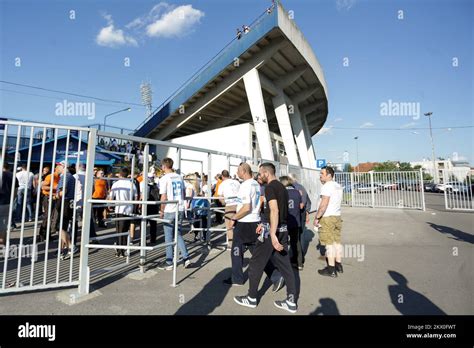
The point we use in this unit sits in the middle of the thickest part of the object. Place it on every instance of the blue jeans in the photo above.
(169, 237)
(19, 204)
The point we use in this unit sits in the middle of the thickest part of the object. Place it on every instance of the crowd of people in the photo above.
(262, 214)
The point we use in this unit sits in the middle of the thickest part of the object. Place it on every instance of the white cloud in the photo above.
(155, 13)
(338, 119)
(110, 36)
(175, 22)
(367, 125)
(325, 131)
(346, 5)
(163, 20)
(408, 125)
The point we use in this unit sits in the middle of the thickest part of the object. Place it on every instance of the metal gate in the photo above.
(400, 189)
(458, 189)
(32, 215)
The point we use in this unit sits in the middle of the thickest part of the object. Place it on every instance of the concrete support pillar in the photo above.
(253, 89)
(298, 131)
(283, 118)
(309, 143)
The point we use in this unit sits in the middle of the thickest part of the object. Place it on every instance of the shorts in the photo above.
(67, 214)
(230, 211)
(330, 230)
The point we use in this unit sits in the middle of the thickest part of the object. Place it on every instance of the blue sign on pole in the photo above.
(320, 163)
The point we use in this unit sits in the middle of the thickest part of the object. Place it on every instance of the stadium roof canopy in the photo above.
(270, 77)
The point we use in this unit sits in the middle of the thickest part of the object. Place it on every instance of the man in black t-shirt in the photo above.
(273, 242)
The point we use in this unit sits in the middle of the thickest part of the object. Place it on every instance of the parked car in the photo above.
(362, 188)
(453, 186)
(389, 186)
(408, 185)
(431, 187)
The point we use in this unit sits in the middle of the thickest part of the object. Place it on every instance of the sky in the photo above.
(377, 56)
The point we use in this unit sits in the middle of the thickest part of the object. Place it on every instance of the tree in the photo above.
(405, 166)
(388, 166)
(427, 177)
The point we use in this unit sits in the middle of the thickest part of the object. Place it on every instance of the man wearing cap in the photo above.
(152, 209)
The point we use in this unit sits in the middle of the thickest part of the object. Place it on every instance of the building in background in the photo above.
(447, 169)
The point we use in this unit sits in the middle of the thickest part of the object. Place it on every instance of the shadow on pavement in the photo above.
(408, 301)
(209, 298)
(327, 307)
(457, 234)
(306, 239)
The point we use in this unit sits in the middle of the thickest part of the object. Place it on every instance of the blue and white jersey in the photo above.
(172, 185)
(249, 192)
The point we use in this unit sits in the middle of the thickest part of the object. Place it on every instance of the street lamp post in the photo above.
(357, 152)
(435, 171)
(113, 113)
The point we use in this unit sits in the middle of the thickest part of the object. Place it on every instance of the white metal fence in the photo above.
(401, 189)
(45, 267)
(458, 189)
(31, 215)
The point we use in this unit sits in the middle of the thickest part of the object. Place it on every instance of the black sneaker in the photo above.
(278, 285)
(64, 254)
(287, 306)
(165, 266)
(228, 281)
(245, 301)
(328, 272)
(339, 268)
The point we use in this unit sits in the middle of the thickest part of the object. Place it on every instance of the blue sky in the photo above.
(402, 60)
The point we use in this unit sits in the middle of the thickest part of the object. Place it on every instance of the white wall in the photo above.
(234, 139)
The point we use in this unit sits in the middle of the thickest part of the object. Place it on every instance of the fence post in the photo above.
(86, 217)
(144, 222)
(372, 188)
(352, 189)
(422, 190)
(445, 190)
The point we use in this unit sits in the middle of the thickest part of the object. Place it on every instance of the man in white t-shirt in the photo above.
(123, 190)
(329, 218)
(25, 182)
(245, 222)
(229, 189)
(172, 189)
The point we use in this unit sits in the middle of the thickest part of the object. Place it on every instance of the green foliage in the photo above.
(390, 166)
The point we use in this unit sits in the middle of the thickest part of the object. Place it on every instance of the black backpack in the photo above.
(153, 192)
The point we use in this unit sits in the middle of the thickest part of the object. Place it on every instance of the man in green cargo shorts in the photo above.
(328, 217)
